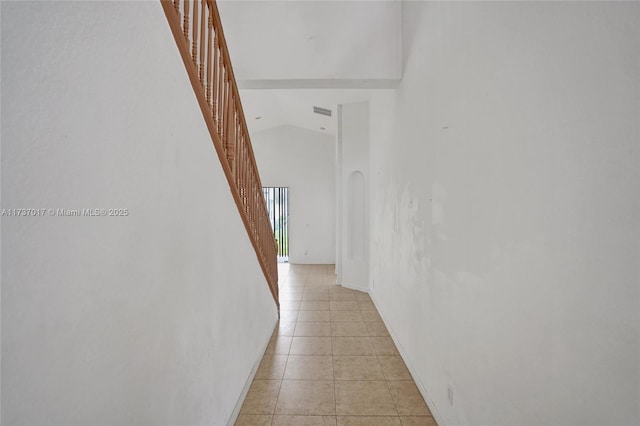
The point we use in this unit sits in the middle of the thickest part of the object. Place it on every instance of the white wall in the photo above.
(505, 209)
(303, 161)
(150, 319)
(353, 152)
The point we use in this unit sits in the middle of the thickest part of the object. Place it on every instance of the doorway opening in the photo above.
(277, 199)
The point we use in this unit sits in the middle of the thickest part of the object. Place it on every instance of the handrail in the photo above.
(197, 29)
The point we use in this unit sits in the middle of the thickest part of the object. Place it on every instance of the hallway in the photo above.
(330, 361)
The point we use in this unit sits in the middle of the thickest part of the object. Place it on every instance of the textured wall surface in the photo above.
(505, 218)
(304, 162)
(353, 149)
(153, 318)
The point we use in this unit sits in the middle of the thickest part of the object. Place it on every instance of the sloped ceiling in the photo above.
(289, 56)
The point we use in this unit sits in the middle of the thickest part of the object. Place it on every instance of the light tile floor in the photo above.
(330, 361)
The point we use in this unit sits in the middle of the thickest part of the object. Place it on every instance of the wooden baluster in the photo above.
(219, 89)
(256, 204)
(239, 140)
(248, 182)
(244, 175)
(259, 212)
(203, 12)
(225, 105)
(240, 162)
(253, 200)
(219, 86)
(238, 154)
(231, 136)
(207, 71)
(246, 189)
(236, 138)
(219, 97)
(234, 134)
(244, 165)
(253, 204)
(176, 6)
(194, 37)
(247, 173)
(228, 111)
(223, 97)
(244, 139)
(214, 81)
(220, 92)
(185, 25)
(245, 198)
(238, 135)
(249, 196)
(208, 86)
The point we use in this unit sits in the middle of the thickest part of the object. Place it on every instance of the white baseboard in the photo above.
(421, 387)
(252, 374)
(310, 262)
(355, 287)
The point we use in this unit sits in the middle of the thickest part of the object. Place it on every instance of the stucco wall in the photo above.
(353, 152)
(152, 318)
(505, 212)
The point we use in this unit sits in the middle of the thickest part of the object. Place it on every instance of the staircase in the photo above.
(197, 30)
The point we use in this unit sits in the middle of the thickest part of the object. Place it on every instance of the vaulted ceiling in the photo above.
(289, 56)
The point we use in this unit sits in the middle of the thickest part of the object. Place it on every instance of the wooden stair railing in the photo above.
(197, 30)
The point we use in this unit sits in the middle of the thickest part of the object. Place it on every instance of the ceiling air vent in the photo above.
(322, 111)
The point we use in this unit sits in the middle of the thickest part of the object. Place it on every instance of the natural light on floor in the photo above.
(330, 361)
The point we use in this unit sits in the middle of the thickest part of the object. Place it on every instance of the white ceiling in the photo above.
(295, 107)
(289, 56)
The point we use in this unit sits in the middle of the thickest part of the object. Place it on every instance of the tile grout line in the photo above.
(331, 336)
(285, 369)
(333, 363)
(386, 381)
